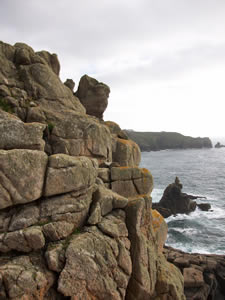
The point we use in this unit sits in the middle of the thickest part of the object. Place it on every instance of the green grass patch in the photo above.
(51, 126)
(4, 105)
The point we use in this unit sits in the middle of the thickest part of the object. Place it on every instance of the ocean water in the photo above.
(202, 173)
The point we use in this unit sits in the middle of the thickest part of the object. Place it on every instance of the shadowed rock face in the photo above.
(68, 227)
(93, 95)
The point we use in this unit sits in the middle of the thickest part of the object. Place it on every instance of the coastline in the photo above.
(156, 141)
(76, 209)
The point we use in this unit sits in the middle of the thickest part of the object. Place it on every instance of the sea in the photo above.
(202, 173)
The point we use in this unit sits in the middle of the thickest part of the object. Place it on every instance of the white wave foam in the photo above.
(214, 213)
(195, 248)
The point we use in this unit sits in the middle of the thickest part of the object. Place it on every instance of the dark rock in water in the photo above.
(176, 201)
(165, 212)
(93, 95)
(218, 145)
(204, 275)
(204, 206)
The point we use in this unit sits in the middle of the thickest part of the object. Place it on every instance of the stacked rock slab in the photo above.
(75, 209)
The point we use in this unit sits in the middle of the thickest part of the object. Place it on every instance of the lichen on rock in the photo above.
(75, 208)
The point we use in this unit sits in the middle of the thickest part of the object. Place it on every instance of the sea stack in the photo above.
(174, 201)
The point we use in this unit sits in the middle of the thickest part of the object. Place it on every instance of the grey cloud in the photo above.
(94, 29)
(123, 43)
(168, 67)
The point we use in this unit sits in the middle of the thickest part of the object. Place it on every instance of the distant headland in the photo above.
(154, 141)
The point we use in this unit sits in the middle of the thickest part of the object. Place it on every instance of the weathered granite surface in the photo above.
(75, 208)
(204, 275)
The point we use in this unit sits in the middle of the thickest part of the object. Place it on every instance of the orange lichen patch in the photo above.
(145, 171)
(141, 196)
(157, 220)
(126, 142)
(110, 123)
(123, 167)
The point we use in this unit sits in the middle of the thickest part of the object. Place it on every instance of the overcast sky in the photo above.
(164, 60)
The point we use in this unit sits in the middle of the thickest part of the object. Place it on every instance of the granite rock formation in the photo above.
(175, 202)
(218, 145)
(93, 95)
(204, 274)
(75, 208)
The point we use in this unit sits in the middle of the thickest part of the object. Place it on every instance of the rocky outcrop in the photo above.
(22, 176)
(124, 151)
(70, 84)
(175, 202)
(204, 275)
(31, 89)
(155, 141)
(218, 145)
(75, 208)
(93, 95)
(22, 135)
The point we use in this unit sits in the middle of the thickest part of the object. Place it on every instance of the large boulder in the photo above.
(116, 130)
(126, 152)
(131, 181)
(18, 135)
(93, 95)
(52, 61)
(79, 135)
(66, 174)
(22, 176)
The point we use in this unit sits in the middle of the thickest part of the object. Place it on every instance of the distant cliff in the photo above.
(154, 141)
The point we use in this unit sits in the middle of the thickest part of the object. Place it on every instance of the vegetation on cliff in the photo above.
(154, 141)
